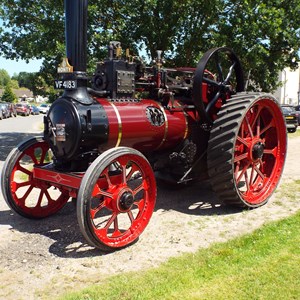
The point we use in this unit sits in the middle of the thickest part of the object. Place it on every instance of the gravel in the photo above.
(42, 259)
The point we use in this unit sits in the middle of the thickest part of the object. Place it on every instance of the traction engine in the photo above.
(108, 138)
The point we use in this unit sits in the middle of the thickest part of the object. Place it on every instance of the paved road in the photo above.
(15, 130)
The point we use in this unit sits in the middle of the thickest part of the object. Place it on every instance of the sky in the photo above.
(12, 66)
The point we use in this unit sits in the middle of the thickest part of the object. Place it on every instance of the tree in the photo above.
(25, 79)
(8, 95)
(265, 34)
(4, 78)
(14, 84)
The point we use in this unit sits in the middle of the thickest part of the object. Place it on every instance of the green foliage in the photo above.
(8, 95)
(265, 34)
(52, 94)
(4, 78)
(14, 84)
(261, 265)
(24, 79)
(34, 82)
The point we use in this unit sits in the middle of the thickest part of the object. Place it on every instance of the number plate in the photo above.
(65, 84)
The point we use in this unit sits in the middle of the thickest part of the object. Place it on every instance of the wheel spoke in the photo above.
(24, 170)
(257, 118)
(140, 204)
(48, 196)
(21, 184)
(43, 155)
(273, 151)
(98, 191)
(106, 194)
(249, 127)
(252, 175)
(241, 157)
(111, 220)
(105, 173)
(211, 82)
(124, 180)
(229, 73)
(94, 211)
(130, 215)
(243, 172)
(247, 181)
(39, 202)
(243, 141)
(138, 189)
(30, 152)
(27, 193)
(213, 101)
(258, 171)
(270, 125)
(116, 225)
(219, 67)
(237, 168)
(258, 127)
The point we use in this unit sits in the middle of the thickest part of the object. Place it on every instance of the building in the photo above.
(288, 92)
(22, 94)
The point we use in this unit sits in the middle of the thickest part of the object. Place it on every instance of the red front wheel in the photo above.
(116, 198)
(247, 150)
(22, 193)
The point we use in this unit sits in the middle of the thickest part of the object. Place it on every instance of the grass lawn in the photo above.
(261, 265)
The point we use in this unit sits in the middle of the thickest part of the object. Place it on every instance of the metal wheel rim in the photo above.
(27, 196)
(112, 225)
(259, 152)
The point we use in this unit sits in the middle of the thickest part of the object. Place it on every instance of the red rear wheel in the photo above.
(116, 198)
(23, 194)
(247, 150)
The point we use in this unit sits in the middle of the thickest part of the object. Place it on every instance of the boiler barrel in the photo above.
(73, 130)
(144, 125)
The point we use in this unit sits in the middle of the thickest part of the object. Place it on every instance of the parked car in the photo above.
(4, 109)
(44, 108)
(12, 109)
(291, 118)
(23, 109)
(34, 110)
(297, 108)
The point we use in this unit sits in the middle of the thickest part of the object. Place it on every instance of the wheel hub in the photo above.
(126, 201)
(258, 150)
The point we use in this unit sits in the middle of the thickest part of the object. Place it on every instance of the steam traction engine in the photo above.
(105, 146)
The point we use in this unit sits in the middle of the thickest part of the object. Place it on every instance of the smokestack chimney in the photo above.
(76, 33)
(76, 49)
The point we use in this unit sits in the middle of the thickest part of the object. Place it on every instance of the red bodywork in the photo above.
(130, 127)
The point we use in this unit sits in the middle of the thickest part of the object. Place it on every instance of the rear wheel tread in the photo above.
(221, 148)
